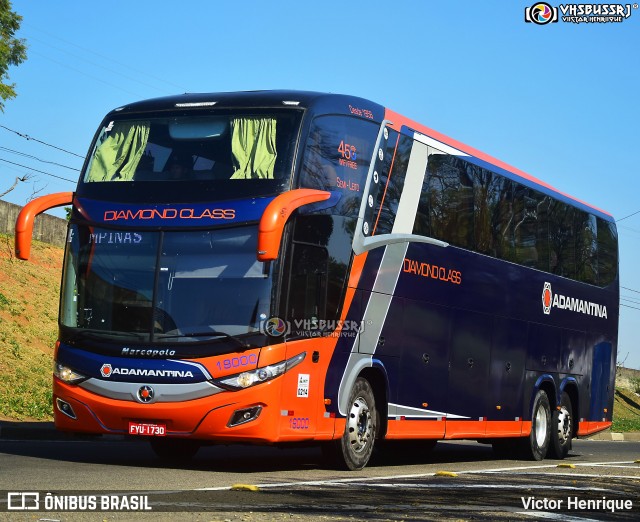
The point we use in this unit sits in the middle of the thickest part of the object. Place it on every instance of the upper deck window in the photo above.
(210, 156)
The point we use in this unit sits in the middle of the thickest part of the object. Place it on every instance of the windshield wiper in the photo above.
(209, 333)
(100, 334)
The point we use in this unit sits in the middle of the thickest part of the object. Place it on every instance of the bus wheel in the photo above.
(537, 444)
(561, 428)
(174, 449)
(353, 450)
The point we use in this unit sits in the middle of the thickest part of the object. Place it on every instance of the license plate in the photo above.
(154, 430)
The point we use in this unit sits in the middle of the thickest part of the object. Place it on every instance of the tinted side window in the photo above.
(308, 292)
(332, 235)
(502, 220)
(391, 183)
(607, 252)
(491, 214)
(586, 248)
(451, 200)
(562, 242)
(336, 158)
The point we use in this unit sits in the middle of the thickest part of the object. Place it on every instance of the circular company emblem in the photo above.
(547, 298)
(105, 370)
(541, 13)
(145, 394)
(276, 327)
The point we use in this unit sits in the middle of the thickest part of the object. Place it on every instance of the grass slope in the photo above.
(28, 329)
(626, 411)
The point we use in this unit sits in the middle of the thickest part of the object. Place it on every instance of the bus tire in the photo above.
(536, 445)
(561, 428)
(174, 450)
(353, 450)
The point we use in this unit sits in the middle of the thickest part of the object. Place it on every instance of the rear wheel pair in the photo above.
(551, 431)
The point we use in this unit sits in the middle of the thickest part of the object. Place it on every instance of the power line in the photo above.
(63, 64)
(630, 289)
(636, 212)
(98, 65)
(101, 56)
(40, 171)
(29, 138)
(627, 306)
(38, 159)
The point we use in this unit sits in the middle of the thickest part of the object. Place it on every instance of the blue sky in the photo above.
(559, 101)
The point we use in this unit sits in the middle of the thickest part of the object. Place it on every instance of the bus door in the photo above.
(413, 334)
(600, 386)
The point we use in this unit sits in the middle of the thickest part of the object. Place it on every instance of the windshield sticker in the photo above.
(365, 113)
(117, 238)
(348, 155)
(303, 385)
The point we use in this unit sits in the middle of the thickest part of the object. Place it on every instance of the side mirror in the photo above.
(275, 217)
(24, 223)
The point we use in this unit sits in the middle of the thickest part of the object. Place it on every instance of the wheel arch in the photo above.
(546, 384)
(570, 386)
(377, 377)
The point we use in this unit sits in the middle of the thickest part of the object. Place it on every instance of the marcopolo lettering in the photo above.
(150, 352)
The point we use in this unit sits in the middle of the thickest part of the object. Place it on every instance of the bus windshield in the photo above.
(208, 156)
(153, 286)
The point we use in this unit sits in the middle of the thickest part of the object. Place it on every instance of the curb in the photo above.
(30, 431)
(632, 436)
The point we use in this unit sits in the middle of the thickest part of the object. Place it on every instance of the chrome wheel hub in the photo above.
(541, 427)
(564, 425)
(359, 425)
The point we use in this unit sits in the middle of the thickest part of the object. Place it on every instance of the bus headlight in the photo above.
(66, 374)
(259, 375)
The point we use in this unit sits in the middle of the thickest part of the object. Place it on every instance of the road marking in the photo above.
(458, 485)
(423, 475)
(587, 475)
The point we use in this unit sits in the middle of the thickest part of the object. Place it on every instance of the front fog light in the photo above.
(66, 374)
(65, 407)
(243, 416)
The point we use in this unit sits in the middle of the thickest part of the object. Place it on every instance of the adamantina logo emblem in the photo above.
(547, 298)
(555, 300)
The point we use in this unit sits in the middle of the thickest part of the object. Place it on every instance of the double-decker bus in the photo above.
(297, 267)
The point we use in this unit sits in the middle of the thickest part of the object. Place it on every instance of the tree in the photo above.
(13, 51)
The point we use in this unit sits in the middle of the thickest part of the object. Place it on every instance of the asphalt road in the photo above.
(456, 481)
